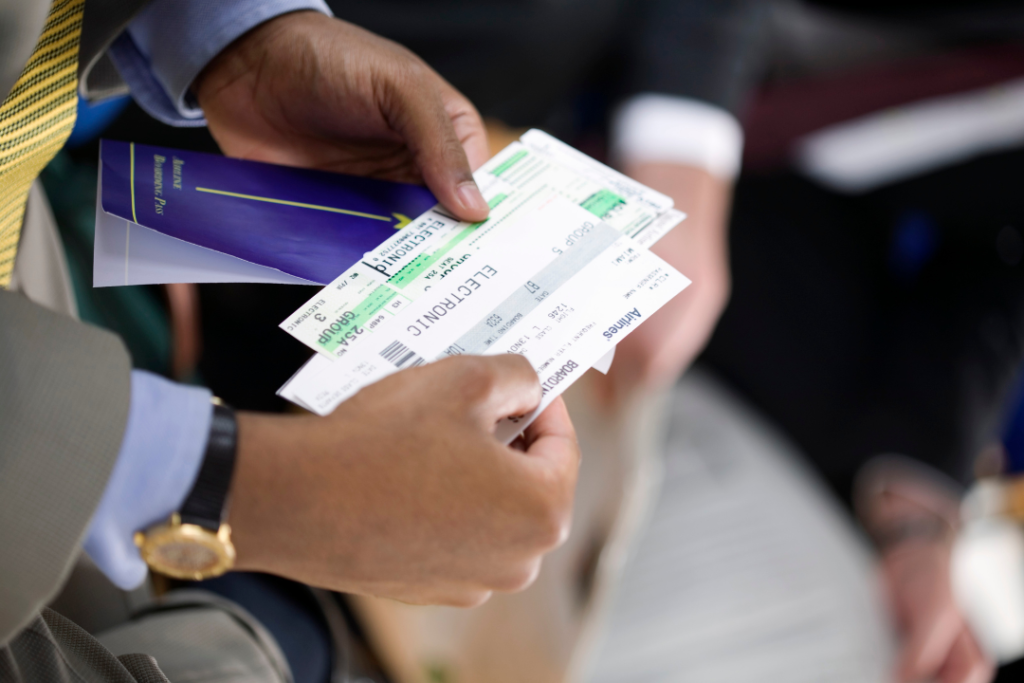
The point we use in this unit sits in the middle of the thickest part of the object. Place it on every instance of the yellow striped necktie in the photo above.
(36, 119)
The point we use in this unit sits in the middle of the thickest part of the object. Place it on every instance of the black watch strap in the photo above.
(205, 503)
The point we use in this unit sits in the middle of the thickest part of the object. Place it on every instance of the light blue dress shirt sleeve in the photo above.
(171, 41)
(163, 447)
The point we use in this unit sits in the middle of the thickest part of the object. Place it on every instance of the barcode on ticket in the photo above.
(401, 355)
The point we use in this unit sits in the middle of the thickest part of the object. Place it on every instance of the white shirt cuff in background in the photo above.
(668, 129)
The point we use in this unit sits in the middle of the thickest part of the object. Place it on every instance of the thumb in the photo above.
(554, 460)
(426, 127)
(552, 437)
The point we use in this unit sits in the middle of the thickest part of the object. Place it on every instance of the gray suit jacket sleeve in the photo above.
(64, 395)
(21, 22)
(104, 21)
(64, 386)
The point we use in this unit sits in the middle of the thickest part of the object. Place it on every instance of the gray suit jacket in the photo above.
(64, 387)
(21, 22)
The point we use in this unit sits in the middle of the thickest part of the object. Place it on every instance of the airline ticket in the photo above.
(558, 273)
(515, 182)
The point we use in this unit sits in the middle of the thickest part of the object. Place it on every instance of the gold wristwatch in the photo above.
(195, 544)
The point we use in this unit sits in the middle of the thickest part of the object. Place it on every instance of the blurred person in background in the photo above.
(878, 309)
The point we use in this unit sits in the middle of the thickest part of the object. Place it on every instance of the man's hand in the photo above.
(660, 349)
(914, 523)
(307, 90)
(403, 492)
(937, 642)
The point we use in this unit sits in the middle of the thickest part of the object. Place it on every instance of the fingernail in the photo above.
(472, 200)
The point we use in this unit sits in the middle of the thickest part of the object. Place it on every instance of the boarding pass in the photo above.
(561, 289)
(515, 182)
(553, 280)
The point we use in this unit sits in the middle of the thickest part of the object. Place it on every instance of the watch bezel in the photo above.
(174, 531)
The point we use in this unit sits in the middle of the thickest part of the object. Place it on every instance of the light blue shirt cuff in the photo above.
(171, 41)
(163, 446)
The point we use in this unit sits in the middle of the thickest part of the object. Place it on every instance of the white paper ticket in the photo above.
(521, 178)
(561, 287)
(559, 273)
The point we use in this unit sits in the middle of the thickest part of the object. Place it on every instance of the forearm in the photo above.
(702, 195)
(691, 151)
(702, 241)
(270, 453)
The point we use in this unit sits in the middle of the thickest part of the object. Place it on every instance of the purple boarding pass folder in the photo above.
(167, 215)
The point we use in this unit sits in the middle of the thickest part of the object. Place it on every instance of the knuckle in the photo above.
(468, 599)
(412, 71)
(410, 61)
(478, 377)
(518, 367)
(550, 525)
(406, 73)
(556, 531)
(518, 578)
(520, 364)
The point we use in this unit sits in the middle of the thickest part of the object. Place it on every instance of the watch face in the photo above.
(185, 555)
(186, 551)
